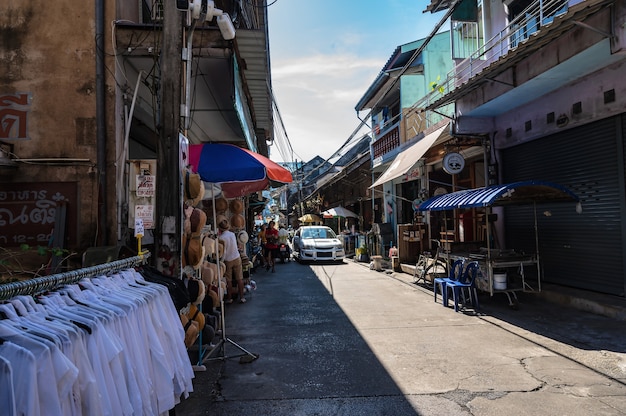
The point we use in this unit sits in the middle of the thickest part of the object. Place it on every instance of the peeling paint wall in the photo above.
(47, 51)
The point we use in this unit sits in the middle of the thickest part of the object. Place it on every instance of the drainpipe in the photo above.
(102, 236)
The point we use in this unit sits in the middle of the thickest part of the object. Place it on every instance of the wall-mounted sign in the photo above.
(453, 163)
(28, 212)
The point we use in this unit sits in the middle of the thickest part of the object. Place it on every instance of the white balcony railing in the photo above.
(538, 14)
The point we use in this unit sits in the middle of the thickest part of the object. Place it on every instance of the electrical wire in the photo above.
(363, 122)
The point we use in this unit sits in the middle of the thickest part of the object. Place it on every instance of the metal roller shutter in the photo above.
(577, 250)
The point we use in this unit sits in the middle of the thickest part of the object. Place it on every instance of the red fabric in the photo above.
(271, 243)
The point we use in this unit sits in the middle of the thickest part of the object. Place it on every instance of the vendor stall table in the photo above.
(503, 271)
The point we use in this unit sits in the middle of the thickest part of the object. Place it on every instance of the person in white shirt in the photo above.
(232, 258)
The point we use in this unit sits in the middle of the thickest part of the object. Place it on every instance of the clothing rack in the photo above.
(46, 283)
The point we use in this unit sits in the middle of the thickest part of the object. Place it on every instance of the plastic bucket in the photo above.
(499, 281)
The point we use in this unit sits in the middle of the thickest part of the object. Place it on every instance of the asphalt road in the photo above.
(346, 340)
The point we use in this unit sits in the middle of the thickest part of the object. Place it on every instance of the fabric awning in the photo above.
(497, 195)
(405, 160)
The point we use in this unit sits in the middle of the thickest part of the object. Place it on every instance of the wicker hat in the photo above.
(236, 206)
(209, 246)
(207, 273)
(193, 188)
(197, 291)
(237, 221)
(215, 298)
(242, 237)
(221, 205)
(191, 328)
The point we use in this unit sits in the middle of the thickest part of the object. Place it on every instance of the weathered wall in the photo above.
(47, 51)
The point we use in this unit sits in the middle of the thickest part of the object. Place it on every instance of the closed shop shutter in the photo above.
(578, 250)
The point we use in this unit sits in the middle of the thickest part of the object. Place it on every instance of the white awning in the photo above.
(408, 157)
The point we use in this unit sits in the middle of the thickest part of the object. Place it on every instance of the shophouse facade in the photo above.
(99, 98)
(543, 89)
(402, 134)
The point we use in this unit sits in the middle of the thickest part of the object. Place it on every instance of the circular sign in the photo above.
(453, 163)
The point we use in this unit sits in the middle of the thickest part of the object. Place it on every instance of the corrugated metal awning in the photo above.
(516, 193)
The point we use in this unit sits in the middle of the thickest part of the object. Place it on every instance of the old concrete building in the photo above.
(96, 99)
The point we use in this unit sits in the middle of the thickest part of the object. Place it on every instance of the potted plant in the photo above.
(362, 254)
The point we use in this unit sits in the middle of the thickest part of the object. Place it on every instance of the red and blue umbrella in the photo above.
(237, 170)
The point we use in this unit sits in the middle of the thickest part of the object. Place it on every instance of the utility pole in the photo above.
(169, 187)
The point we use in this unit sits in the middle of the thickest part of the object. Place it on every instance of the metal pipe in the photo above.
(53, 160)
(46, 283)
(102, 233)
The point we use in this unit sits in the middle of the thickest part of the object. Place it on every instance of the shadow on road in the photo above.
(312, 358)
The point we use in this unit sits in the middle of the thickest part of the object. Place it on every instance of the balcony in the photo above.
(387, 141)
(529, 22)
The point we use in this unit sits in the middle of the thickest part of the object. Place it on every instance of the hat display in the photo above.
(221, 205)
(236, 206)
(222, 222)
(193, 188)
(207, 273)
(198, 220)
(209, 246)
(215, 298)
(197, 291)
(237, 221)
(245, 261)
(220, 247)
(191, 330)
(242, 237)
(193, 251)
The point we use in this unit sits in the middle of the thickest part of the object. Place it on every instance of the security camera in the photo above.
(205, 9)
(226, 26)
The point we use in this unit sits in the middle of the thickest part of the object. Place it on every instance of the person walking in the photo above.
(271, 245)
(232, 258)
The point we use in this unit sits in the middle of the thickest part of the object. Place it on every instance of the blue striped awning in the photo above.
(516, 193)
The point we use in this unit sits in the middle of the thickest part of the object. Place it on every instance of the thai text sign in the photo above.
(28, 211)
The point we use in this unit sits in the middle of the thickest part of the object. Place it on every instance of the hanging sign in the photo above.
(453, 163)
(139, 230)
(145, 185)
(145, 213)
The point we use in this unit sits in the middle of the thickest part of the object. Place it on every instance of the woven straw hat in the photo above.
(193, 188)
(237, 221)
(236, 206)
(221, 205)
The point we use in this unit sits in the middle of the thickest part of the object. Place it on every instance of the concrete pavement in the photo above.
(346, 340)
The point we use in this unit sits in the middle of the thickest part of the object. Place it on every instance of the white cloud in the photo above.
(316, 96)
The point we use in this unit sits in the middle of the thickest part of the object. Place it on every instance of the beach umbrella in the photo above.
(339, 212)
(236, 172)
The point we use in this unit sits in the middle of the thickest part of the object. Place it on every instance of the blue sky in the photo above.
(325, 54)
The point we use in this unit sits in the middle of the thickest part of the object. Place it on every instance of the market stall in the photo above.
(504, 271)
